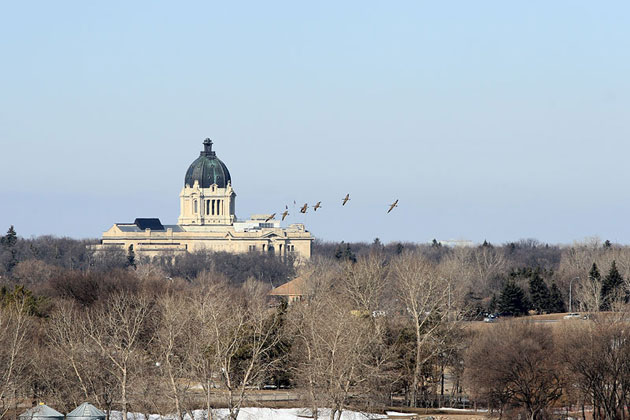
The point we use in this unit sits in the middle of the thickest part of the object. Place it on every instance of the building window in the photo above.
(195, 206)
(252, 248)
(207, 207)
(291, 248)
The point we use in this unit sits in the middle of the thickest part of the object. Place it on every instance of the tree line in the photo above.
(377, 325)
(130, 340)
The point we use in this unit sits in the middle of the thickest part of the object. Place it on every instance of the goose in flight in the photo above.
(270, 217)
(318, 205)
(285, 214)
(304, 207)
(391, 206)
(345, 199)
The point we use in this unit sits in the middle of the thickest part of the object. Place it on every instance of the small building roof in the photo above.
(152, 223)
(294, 287)
(41, 412)
(86, 411)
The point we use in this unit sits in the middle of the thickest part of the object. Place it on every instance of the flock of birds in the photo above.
(305, 207)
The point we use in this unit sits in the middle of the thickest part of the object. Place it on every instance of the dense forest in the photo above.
(379, 325)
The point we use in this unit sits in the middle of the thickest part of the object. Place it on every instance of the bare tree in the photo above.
(589, 293)
(70, 363)
(66, 338)
(487, 263)
(337, 352)
(120, 330)
(456, 266)
(240, 332)
(173, 347)
(598, 356)
(364, 282)
(425, 295)
(515, 363)
(33, 272)
(203, 363)
(15, 333)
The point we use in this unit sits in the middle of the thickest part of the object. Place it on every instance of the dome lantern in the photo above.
(207, 148)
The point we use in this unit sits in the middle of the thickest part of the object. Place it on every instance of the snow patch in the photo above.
(254, 413)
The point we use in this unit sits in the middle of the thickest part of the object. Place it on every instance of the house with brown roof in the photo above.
(291, 291)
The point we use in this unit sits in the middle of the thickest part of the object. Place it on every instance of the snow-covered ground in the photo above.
(253, 413)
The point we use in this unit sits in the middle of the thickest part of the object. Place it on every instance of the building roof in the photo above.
(41, 411)
(207, 169)
(294, 287)
(86, 411)
(133, 227)
(148, 223)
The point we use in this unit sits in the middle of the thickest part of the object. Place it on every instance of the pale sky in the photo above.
(494, 120)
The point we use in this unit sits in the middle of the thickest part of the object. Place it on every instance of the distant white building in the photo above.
(456, 243)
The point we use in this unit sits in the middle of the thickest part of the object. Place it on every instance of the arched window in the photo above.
(195, 207)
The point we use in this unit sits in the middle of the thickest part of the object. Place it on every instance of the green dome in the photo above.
(207, 169)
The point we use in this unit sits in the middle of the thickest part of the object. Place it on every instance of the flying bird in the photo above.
(391, 206)
(270, 217)
(304, 207)
(346, 199)
(285, 214)
(318, 205)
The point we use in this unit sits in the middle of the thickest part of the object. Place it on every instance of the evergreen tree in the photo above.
(610, 286)
(538, 293)
(131, 257)
(513, 300)
(8, 242)
(399, 248)
(556, 302)
(10, 239)
(435, 243)
(607, 244)
(493, 304)
(345, 253)
(594, 273)
(33, 304)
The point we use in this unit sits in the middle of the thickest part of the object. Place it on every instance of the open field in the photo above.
(553, 320)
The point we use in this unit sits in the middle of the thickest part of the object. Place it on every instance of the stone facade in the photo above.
(208, 222)
(207, 206)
